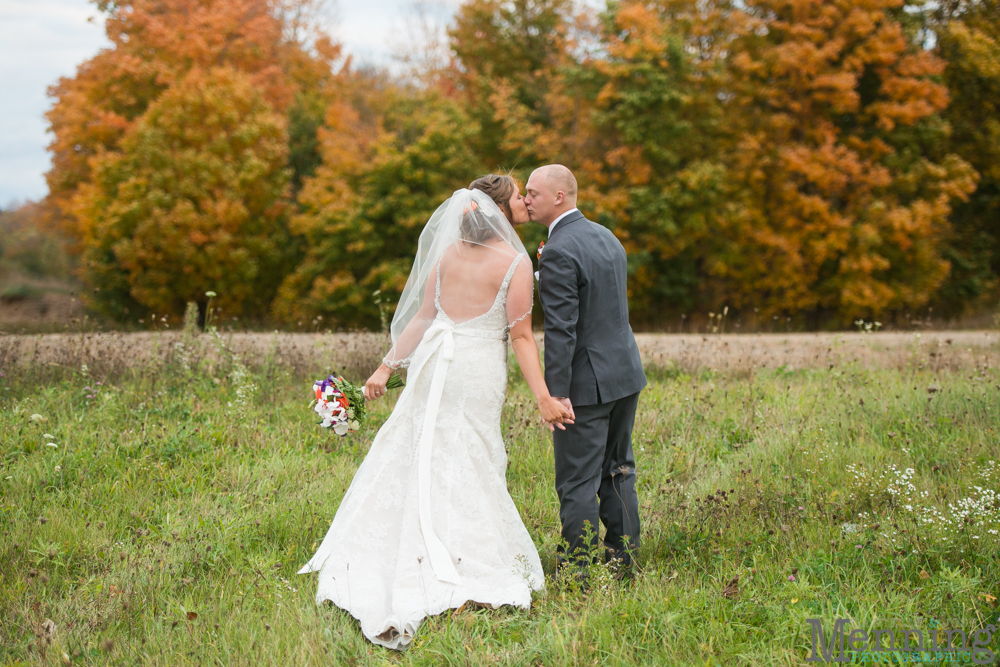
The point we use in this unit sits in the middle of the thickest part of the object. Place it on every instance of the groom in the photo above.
(592, 363)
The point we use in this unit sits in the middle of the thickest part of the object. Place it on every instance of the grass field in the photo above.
(156, 513)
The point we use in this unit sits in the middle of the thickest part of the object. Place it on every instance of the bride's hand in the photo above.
(554, 413)
(375, 387)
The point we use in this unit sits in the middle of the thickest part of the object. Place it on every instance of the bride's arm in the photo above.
(406, 344)
(519, 301)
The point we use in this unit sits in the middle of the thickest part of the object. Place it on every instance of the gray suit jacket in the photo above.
(590, 351)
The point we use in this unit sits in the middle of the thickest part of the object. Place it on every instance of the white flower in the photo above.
(355, 425)
(49, 436)
(341, 428)
(36, 418)
(52, 444)
(58, 468)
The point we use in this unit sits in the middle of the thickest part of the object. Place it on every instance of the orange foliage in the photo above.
(154, 44)
(193, 201)
(837, 219)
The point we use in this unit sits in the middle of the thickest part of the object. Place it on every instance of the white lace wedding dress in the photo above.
(427, 523)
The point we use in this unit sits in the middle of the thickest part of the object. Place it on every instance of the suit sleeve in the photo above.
(558, 289)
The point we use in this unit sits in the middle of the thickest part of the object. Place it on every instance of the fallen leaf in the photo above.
(732, 589)
(192, 615)
(988, 597)
(924, 575)
(49, 628)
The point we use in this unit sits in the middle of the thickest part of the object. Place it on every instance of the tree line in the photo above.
(824, 159)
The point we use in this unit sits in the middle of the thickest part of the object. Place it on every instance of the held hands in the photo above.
(375, 387)
(556, 412)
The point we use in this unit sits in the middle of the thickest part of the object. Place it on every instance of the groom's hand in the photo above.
(568, 404)
(556, 412)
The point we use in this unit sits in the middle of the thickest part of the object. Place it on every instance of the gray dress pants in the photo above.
(595, 478)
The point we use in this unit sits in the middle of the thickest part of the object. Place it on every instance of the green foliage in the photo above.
(508, 49)
(29, 246)
(165, 522)
(968, 38)
(305, 118)
(361, 222)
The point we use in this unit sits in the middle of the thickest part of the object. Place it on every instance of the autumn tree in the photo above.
(506, 54)
(659, 180)
(154, 44)
(841, 212)
(968, 39)
(193, 200)
(390, 157)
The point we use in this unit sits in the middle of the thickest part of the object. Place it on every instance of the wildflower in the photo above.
(210, 294)
(791, 577)
(36, 418)
(48, 435)
(52, 444)
(58, 468)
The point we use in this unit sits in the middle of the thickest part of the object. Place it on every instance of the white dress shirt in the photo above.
(556, 221)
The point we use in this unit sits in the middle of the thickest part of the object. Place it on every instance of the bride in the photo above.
(427, 523)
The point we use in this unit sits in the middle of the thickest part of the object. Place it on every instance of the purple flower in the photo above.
(801, 507)
(857, 546)
(791, 577)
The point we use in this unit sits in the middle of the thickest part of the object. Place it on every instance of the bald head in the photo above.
(551, 191)
(560, 178)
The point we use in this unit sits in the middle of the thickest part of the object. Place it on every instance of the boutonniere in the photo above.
(541, 247)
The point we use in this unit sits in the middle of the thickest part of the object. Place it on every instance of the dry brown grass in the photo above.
(359, 353)
(935, 350)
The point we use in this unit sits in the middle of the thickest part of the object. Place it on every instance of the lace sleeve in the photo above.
(520, 294)
(395, 364)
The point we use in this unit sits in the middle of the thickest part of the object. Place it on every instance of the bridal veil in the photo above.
(464, 251)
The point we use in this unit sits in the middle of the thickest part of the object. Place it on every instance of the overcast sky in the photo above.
(42, 40)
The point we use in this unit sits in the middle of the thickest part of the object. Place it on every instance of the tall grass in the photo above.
(159, 517)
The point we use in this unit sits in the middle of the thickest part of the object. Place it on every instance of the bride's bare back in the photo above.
(471, 277)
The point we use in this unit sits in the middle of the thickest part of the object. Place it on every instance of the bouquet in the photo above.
(342, 404)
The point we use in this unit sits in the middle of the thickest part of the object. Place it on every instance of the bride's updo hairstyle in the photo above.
(475, 228)
(500, 188)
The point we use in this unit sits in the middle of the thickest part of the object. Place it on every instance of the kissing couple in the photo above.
(427, 523)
